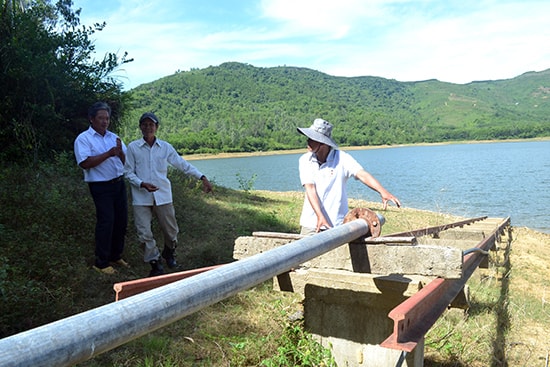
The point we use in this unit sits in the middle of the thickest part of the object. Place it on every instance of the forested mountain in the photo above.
(239, 107)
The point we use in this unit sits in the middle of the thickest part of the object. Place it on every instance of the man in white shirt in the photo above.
(146, 168)
(101, 155)
(324, 172)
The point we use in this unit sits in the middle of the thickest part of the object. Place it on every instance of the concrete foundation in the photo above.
(349, 292)
(348, 313)
(345, 305)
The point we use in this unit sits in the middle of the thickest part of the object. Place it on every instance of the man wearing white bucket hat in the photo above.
(324, 172)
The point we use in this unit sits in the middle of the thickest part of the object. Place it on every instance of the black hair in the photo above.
(98, 106)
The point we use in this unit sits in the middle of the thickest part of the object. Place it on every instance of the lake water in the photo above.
(493, 179)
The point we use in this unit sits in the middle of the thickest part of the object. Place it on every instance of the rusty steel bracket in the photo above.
(434, 231)
(133, 287)
(375, 227)
(416, 315)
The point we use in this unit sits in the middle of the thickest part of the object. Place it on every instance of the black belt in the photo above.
(114, 180)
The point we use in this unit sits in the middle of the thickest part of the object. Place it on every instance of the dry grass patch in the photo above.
(528, 342)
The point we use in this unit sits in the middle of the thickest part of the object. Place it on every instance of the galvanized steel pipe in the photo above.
(85, 335)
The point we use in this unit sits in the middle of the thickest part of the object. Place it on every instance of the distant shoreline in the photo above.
(191, 157)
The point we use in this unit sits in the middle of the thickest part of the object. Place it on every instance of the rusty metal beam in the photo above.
(133, 287)
(385, 240)
(415, 316)
(382, 240)
(279, 235)
(436, 229)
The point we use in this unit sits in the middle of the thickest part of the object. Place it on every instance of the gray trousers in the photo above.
(307, 231)
(166, 216)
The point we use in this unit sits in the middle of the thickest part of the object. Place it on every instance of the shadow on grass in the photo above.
(502, 312)
(434, 363)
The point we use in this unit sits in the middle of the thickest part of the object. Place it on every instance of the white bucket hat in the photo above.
(320, 131)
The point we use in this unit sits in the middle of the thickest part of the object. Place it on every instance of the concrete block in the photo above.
(249, 245)
(448, 242)
(395, 288)
(427, 260)
(465, 234)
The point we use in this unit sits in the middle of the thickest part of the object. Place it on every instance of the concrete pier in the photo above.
(349, 291)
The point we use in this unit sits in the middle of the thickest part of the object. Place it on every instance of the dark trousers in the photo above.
(111, 220)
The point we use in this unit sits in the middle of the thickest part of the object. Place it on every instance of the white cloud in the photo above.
(327, 19)
(407, 40)
(492, 43)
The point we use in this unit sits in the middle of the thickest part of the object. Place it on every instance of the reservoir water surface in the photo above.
(494, 179)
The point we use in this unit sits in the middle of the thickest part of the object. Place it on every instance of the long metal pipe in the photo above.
(85, 335)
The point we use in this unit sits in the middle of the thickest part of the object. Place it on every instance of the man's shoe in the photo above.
(168, 255)
(109, 270)
(156, 268)
(120, 262)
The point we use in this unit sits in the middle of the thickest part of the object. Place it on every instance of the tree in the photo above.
(49, 78)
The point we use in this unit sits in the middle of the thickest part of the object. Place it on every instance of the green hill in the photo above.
(237, 107)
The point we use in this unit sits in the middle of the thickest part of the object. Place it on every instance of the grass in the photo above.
(46, 234)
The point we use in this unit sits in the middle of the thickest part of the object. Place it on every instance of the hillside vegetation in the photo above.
(237, 107)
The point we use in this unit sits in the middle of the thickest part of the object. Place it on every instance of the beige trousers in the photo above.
(166, 216)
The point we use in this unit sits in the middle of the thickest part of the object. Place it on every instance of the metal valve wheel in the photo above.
(373, 221)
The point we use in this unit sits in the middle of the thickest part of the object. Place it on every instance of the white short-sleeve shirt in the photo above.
(330, 180)
(91, 143)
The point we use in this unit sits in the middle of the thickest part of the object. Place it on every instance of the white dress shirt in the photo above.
(150, 164)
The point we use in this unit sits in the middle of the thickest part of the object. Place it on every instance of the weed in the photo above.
(246, 184)
(297, 348)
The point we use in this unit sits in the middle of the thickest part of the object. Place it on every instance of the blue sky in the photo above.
(406, 40)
